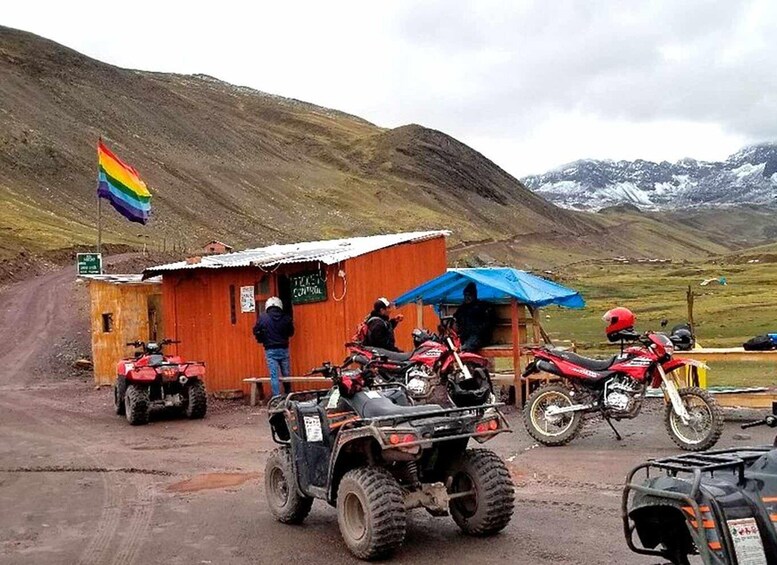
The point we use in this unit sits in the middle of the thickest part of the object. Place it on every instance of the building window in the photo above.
(107, 323)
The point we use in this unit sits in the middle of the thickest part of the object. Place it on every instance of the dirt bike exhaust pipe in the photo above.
(551, 411)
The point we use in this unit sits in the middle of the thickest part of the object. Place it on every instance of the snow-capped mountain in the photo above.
(746, 177)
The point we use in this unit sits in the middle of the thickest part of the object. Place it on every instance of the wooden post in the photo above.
(535, 325)
(419, 313)
(516, 353)
(689, 298)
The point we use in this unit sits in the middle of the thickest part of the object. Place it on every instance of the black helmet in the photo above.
(682, 338)
(471, 392)
(420, 336)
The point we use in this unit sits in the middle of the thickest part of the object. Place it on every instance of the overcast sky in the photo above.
(532, 85)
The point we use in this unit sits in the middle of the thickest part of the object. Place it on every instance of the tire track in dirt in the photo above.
(130, 492)
(32, 316)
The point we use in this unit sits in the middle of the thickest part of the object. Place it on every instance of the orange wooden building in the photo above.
(211, 303)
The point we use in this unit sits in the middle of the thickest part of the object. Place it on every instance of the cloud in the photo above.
(531, 84)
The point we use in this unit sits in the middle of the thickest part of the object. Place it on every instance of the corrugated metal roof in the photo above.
(329, 252)
(123, 279)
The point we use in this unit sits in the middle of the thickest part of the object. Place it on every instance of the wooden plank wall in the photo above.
(197, 310)
(129, 306)
(390, 273)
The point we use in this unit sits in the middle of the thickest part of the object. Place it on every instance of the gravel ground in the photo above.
(79, 485)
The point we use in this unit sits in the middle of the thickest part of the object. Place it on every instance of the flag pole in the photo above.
(99, 223)
(99, 206)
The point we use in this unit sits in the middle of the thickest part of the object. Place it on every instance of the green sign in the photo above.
(89, 263)
(308, 287)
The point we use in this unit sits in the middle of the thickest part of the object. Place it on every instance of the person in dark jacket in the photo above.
(380, 327)
(475, 320)
(273, 330)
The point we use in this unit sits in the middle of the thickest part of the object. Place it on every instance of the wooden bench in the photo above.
(256, 382)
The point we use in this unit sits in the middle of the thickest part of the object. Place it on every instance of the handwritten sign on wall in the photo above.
(308, 287)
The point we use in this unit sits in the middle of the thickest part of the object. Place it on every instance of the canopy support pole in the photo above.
(419, 313)
(516, 354)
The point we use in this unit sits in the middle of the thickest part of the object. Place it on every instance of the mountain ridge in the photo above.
(748, 176)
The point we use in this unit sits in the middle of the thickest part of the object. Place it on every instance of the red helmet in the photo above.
(618, 319)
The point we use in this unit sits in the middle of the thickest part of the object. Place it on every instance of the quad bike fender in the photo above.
(659, 519)
(354, 448)
(123, 367)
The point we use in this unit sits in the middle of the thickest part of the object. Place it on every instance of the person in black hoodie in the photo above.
(380, 327)
(273, 330)
(475, 320)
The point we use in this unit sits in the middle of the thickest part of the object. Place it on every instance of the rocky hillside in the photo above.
(746, 177)
(226, 162)
(250, 168)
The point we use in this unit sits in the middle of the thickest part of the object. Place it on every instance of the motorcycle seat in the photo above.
(372, 404)
(398, 356)
(585, 362)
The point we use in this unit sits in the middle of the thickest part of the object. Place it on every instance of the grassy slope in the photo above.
(725, 316)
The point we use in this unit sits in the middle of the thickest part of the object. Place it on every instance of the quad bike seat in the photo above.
(398, 356)
(371, 404)
(586, 362)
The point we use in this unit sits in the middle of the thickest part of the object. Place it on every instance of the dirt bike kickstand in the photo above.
(617, 435)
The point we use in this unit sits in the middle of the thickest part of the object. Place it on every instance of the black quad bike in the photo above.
(373, 455)
(153, 380)
(720, 505)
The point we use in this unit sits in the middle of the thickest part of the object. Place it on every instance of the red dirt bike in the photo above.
(615, 388)
(152, 379)
(436, 371)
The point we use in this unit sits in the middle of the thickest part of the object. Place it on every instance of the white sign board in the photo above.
(313, 428)
(247, 302)
(747, 541)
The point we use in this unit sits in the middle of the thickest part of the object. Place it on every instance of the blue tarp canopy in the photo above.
(494, 285)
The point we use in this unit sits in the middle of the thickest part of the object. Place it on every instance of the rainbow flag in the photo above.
(120, 185)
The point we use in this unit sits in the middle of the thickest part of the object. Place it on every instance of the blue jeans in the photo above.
(278, 361)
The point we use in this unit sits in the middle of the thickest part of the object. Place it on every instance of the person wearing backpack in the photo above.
(378, 327)
(273, 330)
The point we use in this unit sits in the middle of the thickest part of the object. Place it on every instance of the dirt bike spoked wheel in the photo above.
(489, 501)
(371, 512)
(550, 429)
(285, 502)
(705, 420)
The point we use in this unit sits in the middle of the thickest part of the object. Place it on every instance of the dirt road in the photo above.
(78, 485)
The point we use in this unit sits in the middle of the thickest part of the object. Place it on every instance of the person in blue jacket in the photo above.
(273, 330)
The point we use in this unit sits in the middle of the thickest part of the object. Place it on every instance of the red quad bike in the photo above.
(154, 380)
(364, 449)
(615, 388)
(436, 371)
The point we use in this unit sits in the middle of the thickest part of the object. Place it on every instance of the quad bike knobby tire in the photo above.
(136, 403)
(285, 502)
(371, 512)
(119, 390)
(558, 430)
(490, 506)
(706, 425)
(197, 403)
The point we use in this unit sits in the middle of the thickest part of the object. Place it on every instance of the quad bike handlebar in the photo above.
(142, 344)
(770, 420)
